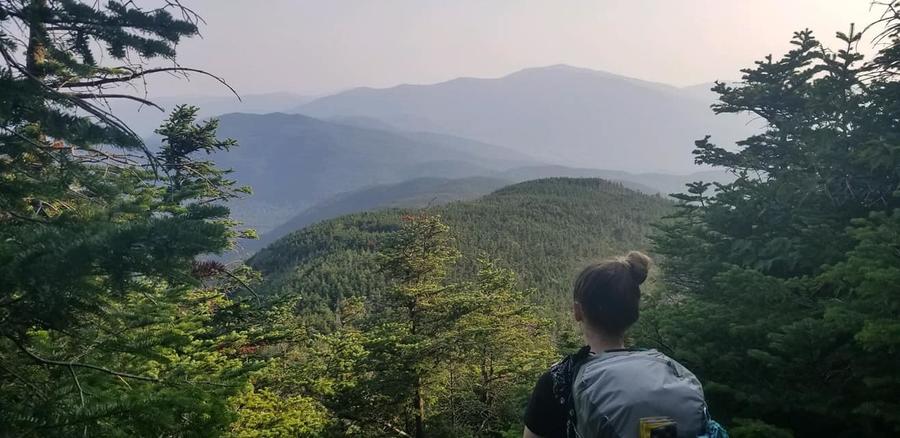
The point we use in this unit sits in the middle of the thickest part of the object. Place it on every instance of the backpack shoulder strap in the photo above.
(563, 375)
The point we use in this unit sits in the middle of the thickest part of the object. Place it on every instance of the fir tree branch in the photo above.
(243, 284)
(104, 116)
(80, 365)
(186, 12)
(119, 374)
(23, 380)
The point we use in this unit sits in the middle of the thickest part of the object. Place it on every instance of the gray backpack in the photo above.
(612, 392)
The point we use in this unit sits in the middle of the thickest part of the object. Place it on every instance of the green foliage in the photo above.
(108, 324)
(757, 429)
(544, 230)
(866, 307)
(422, 354)
(414, 193)
(100, 291)
(264, 414)
(495, 353)
(165, 371)
(782, 289)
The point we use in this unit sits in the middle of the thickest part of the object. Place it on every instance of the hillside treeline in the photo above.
(779, 289)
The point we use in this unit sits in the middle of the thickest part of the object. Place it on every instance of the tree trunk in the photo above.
(452, 396)
(418, 402)
(37, 35)
(419, 406)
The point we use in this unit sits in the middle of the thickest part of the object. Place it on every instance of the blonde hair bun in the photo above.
(639, 264)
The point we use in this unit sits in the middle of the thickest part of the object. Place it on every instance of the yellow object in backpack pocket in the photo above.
(658, 427)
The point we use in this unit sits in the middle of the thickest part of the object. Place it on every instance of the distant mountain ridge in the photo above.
(560, 114)
(648, 183)
(414, 193)
(293, 161)
(422, 192)
(292, 156)
(145, 119)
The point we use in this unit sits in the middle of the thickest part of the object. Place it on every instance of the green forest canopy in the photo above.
(545, 230)
(779, 289)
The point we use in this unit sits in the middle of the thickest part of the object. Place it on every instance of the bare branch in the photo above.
(243, 284)
(116, 96)
(77, 384)
(104, 116)
(24, 218)
(142, 73)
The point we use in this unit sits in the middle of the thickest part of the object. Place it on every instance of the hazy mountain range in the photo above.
(291, 156)
(145, 119)
(560, 114)
(293, 161)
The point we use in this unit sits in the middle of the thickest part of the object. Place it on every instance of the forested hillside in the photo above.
(417, 192)
(650, 183)
(544, 230)
(421, 192)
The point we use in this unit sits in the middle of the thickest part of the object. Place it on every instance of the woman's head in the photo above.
(607, 294)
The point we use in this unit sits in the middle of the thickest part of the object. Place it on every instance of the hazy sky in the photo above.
(314, 47)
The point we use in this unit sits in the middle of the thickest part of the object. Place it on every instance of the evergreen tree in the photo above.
(420, 308)
(498, 349)
(782, 310)
(108, 325)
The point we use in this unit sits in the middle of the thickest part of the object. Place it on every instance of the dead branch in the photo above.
(142, 73)
(116, 96)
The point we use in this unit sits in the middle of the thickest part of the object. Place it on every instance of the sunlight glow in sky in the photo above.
(315, 47)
